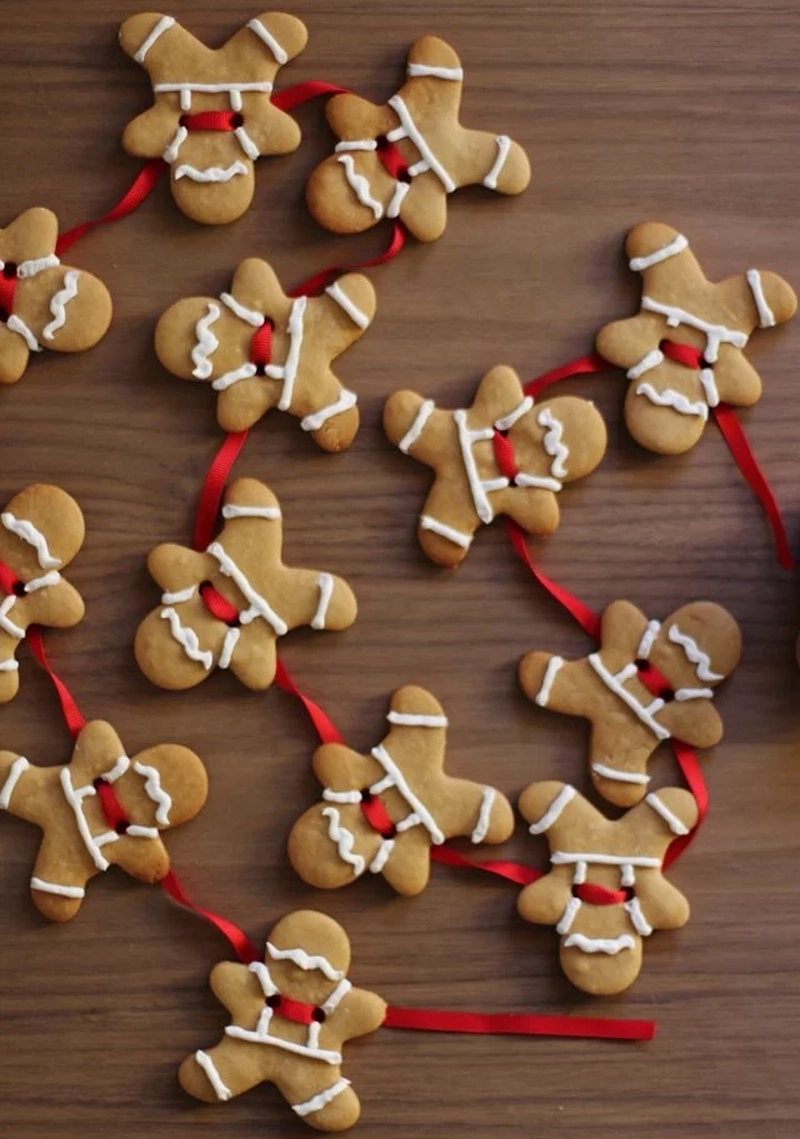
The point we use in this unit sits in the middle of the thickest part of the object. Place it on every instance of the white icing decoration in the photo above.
(26, 530)
(627, 875)
(382, 855)
(579, 874)
(163, 25)
(506, 422)
(235, 99)
(675, 400)
(426, 409)
(244, 372)
(59, 302)
(419, 69)
(37, 265)
(344, 839)
(551, 672)
(709, 386)
(317, 1102)
(337, 293)
(221, 1089)
(766, 317)
(335, 998)
(669, 817)
(397, 199)
(314, 421)
(259, 606)
(172, 149)
(91, 842)
(210, 89)
(9, 666)
(17, 768)
(269, 39)
(427, 522)
(419, 812)
(228, 646)
(231, 510)
(180, 596)
(155, 791)
(413, 720)
(247, 144)
(288, 371)
(261, 1037)
(484, 815)
(638, 920)
(554, 811)
(16, 324)
(264, 976)
(716, 334)
(135, 831)
(56, 888)
(207, 343)
(360, 186)
(677, 245)
(341, 796)
(648, 638)
(615, 773)
(412, 131)
(356, 144)
(210, 173)
(302, 960)
(694, 694)
(542, 483)
(6, 623)
(117, 771)
(467, 438)
(553, 442)
(187, 638)
(694, 654)
(503, 147)
(609, 945)
(249, 315)
(653, 359)
(564, 858)
(325, 584)
(568, 917)
(53, 577)
(614, 683)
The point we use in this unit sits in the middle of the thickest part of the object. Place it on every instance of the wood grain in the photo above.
(684, 112)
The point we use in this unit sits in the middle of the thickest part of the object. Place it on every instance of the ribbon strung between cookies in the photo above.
(430, 1020)
(725, 417)
(142, 187)
(73, 716)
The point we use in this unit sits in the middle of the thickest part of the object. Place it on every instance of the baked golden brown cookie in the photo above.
(668, 401)
(552, 443)
(687, 656)
(101, 809)
(44, 304)
(606, 890)
(259, 349)
(180, 643)
(382, 812)
(353, 189)
(212, 115)
(41, 531)
(290, 1018)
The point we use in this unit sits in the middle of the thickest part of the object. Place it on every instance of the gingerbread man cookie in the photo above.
(212, 115)
(683, 351)
(99, 810)
(361, 183)
(502, 455)
(41, 531)
(290, 1017)
(235, 342)
(605, 891)
(647, 682)
(383, 811)
(44, 304)
(179, 644)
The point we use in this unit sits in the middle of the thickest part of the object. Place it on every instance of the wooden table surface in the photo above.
(687, 113)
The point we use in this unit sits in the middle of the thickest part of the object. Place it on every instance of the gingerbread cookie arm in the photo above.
(556, 684)
(544, 902)
(627, 343)
(58, 606)
(408, 869)
(339, 768)
(255, 656)
(556, 809)
(358, 1013)
(774, 300)
(24, 788)
(239, 408)
(236, 987)
(274, 36)
(696, 722)
(143, 857)
(662, 904)
(341, 315)
(481, 813)
(353, 119)
(737, 381)
(14, 355)
(177, 569)
(499, 394)
(30, 236)
(535, 510)
(150, 134)
(316, 598)
(495, 161)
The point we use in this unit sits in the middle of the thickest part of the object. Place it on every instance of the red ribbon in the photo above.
(320, 280)
(8, 288)
(113, 810)
(519, 1024)
(690, 769)
(325, 728)
(212, 121)
(588, 620)
(72, 713)
(213, 485)
(238, 939)
(9, 582)
(584, 365)
(299, 93)
(142, 188)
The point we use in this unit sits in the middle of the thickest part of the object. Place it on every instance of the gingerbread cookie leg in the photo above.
(58, 883)
(226, 1070)
(323, 1099)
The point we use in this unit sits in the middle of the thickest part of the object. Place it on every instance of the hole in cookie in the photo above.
(19, 589)
(641, 664)
(237, 120)
(366, 798)
(667, 695)
(318, 1015)
(4, 315)
(383, 146)
(10, 269)
(274, 1001)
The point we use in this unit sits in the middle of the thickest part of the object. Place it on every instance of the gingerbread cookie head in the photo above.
(403, 159)
(381, 813)
(683, 352)
(605, 891)
(227, 606)
(502, 455)
(44, 304)
(212, 115)
(259, 349)
(101, 809)
(648, 681)
(41, 531)
(290, 1017)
